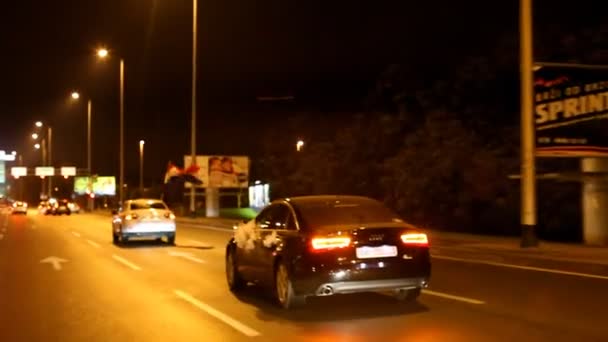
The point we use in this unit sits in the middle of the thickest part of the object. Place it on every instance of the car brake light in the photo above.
(330, 242)
(131, 217)
(418, 239)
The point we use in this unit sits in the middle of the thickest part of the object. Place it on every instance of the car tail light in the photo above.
(325, 243)
(131, 217)
(170, 216)
(415, 239)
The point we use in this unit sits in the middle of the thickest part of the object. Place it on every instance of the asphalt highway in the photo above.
(62, 279)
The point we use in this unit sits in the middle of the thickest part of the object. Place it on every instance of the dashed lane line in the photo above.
(126, 262)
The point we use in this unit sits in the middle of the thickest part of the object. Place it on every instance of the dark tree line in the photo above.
(437, 152)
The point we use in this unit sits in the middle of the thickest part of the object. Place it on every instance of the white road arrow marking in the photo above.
(187, 256)
(55, 261)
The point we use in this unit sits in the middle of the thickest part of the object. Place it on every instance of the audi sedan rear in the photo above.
(327, 245)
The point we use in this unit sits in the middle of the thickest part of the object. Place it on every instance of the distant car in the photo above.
(59, 208)
(326, 245)
(19, 207)
(43, 208)
(74, 207)
(148, 218)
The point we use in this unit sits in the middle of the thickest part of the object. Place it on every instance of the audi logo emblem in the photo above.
(377, 237)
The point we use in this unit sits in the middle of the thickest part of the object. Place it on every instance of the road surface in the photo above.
(62, 279)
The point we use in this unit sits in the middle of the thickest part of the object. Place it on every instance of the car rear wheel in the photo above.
(285, 295)
(171, 239)
(408, 295)
(115, 239)
(235, 282)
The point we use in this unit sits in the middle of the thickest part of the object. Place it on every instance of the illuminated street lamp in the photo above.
(37, 146)
(35, 136)
(141, 167)
(75, 95)
(38, 124)
(299, 145)
(103, 53)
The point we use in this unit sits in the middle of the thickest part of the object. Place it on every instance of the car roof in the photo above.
(328, 198)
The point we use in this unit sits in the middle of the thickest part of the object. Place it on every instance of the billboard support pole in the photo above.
(528, 183)
(594, 202)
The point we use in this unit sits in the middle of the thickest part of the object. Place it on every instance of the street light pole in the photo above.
(141, 168)
(49, 141)
(89, 105)
(193, 123)
(44, 163)
(122, 130)
(528, 181)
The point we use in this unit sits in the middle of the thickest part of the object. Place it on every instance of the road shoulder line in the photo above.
(521, 267)
(244, 329)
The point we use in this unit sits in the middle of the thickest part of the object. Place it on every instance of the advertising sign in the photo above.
(221, 171)
(7, 157)
(571, 108)
(81, 185)
(19, 171)
(44, 171)
(100, 186)
(104, 186)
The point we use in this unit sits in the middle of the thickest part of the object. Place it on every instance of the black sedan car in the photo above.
(60, 207)
(326, 245)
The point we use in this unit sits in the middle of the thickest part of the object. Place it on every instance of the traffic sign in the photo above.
(44, 171)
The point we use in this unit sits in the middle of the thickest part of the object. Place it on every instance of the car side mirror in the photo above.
(114, 212)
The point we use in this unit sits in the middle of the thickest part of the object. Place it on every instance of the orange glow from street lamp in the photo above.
(102, 53)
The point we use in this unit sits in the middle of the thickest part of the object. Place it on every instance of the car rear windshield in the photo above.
(331, 213)
(144, 205)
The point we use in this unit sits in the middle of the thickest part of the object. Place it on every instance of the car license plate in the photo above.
(376, 252)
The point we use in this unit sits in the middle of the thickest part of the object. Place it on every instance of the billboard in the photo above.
(571, 108)
(221, 171)
(104, 186)
(100, 186)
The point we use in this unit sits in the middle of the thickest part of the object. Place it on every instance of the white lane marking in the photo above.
(126, 262)
(186, 256)
(55, 261)
(93, 243)
(478, 250)
(244, 329)
(527, 268)
(76, 234)
(453, 297)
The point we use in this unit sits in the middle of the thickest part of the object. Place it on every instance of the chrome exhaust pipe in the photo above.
(327, 290)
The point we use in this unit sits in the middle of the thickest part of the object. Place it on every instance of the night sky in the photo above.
(325, 53)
